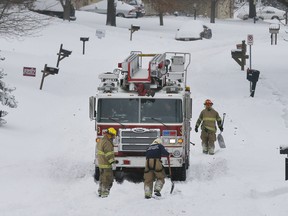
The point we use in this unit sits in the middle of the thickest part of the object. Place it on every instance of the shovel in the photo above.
(220, 138)
(170, 173)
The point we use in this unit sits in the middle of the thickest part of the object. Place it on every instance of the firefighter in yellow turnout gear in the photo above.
(208, 117)
(106, 162)
(154, 168)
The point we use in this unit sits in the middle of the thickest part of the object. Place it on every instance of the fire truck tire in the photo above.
(187, 162)
(179, 174)
(96, 174)
(119, 177)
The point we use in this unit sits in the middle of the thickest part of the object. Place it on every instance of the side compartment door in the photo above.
(187, 128)
(92, 106)
(188, 107)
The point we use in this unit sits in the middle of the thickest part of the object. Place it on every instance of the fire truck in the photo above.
(142, 104)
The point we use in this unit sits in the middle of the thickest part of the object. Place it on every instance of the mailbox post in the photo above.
(46, 72)
(62, 54)
(239, 55)
(274, 30)
(84, 39)
(284, 150)
(132, 30)
(252, 76)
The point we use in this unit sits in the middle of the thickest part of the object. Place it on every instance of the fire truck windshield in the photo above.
(137, 110)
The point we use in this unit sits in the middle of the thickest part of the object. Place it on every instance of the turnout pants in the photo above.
(153, 171)
(208, 139)
(105, 182)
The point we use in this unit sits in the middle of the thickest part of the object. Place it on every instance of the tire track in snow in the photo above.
(279, 97)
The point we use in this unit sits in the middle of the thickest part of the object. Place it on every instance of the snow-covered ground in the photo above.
(47, 146)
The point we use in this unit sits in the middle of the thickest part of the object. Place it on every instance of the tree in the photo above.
(17, 21)
(213, 11)
(67, 7)
(111, 13)
(252, 8)
(6, 98)
(162, 6)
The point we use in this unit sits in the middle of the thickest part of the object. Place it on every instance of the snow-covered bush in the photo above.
(6, 98)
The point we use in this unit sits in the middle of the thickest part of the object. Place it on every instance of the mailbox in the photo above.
(51, 70)
(65, 53)
(84, 39)
(253, 75)
(132, 30)
(274, 28)
(135, 28)
(284, 150)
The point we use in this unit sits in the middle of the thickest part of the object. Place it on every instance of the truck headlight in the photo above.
(172, 141)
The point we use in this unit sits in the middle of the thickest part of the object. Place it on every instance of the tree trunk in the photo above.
(161, 18)
(67, 10)
(213, 8)
(111, 13)
(252, 9)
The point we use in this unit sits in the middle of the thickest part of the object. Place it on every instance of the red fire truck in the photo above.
(143, 104)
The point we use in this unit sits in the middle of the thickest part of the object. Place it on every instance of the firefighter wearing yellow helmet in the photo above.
(106, 162)
(208, 117)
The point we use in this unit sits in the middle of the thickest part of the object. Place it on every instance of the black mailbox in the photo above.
(84, 39)
(253, 75)
(135, 28)
(52, 70)
(66, 52)
(284, 150)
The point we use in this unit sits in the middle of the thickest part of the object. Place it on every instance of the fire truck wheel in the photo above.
(96, 174)
(119, 177)
(179, 174)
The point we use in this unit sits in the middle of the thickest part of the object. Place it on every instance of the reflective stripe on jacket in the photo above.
(105, 153)
(209, 119)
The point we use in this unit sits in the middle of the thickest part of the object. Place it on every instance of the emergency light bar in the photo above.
(169, 133)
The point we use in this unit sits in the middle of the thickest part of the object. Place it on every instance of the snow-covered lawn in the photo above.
(47, 146)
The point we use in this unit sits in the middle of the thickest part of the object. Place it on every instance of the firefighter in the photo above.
(154, 168)
(106, 162)
(208, 117)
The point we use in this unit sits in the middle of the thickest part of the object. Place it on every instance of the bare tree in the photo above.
(111, 13)
(162, 6)
(252, 8)
(213, 11)
(67, 7)
(17, 21)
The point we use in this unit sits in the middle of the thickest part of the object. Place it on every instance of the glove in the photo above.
(113, 166)
(196, 129)
(221, 128)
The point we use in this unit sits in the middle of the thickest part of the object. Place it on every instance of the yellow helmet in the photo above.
(112, 131)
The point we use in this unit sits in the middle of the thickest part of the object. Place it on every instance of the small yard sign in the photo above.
(250, 39)
(29, 71)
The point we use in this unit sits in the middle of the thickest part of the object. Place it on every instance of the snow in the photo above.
(51, 5)
(47, 145)
(191, 29)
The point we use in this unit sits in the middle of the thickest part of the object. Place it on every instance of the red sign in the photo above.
(29, 71)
